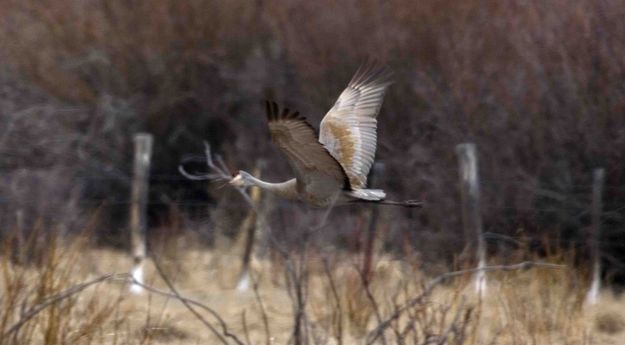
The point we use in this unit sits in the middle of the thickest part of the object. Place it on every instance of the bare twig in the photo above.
(187, 303)
(296, 276)
(246, 331)
(263, 313)
(297, 281)
(219, 172)
(335, 294)
(324, 218)
(184, 300)
(376, 308)
(442, 339)
(50, 300)
(377, 332)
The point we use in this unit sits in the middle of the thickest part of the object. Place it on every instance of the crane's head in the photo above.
(242, 179)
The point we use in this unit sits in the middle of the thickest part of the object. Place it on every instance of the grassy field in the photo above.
(324, 301)
(538, 86)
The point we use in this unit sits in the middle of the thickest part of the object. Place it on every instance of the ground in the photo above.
(534, 306)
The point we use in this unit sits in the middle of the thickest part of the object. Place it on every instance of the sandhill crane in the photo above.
(331, 170)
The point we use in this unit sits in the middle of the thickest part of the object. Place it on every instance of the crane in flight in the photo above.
(332, 169)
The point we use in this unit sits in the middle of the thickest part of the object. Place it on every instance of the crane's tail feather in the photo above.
(368, 194)
(377, 196)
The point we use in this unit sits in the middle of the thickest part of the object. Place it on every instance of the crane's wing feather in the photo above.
(349, 129)
(316, 170)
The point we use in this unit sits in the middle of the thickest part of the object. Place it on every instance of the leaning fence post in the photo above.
(372, 228)
(138, 205)
(471, 216)
(247, 233)
(19, 235)
(598, 176)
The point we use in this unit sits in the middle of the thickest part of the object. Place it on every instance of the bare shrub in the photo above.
(609, 322)
(537, 85)
(46, 304)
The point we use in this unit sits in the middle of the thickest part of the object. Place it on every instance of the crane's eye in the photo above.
(235, 173)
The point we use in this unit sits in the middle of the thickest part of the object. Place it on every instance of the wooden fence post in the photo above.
(247, 233)
(372, 228)
(19, 235)
(598, 176)
(138, 205)
(471, 214)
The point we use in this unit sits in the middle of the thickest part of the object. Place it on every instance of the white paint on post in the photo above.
(19, 234)
(471, 214)
(138, 206)
(137, 275)
(244, 281)
(249, 232)
(372, 215)
(598, 176)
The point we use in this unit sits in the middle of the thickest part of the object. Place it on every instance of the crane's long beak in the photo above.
(237, 181)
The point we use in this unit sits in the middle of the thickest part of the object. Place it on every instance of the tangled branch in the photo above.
(382, 326)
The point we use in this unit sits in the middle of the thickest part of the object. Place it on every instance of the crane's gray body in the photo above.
(332, 168)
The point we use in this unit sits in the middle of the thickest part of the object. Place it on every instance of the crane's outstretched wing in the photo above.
(349, 129)
(315, 169)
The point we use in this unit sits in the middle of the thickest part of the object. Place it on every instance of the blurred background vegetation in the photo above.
(539, 86)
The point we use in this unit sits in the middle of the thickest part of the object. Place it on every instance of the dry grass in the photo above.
(537, 85)
(537, 306)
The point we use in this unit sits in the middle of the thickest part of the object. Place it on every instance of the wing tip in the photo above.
(274, 113)
(372, 71)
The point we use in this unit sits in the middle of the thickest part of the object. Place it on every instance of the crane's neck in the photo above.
(286, 189)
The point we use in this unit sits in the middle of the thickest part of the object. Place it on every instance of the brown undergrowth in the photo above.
(71, 298)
